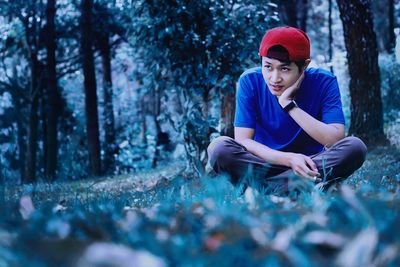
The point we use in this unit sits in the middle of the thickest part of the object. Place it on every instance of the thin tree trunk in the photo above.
(228, 111)
(303, 14)
(30, 167)
(32, 43)
(2, 182)
(362, 56)
(109, 128)
(52, 100)
(92, 121)
(205, 110)
(157, 106)
(205, 106)
(21, 129)
(330, 40)
(294, 13)
(43, 118)
(392, 37)
(289, 12)
(143, 128)
(18, 103)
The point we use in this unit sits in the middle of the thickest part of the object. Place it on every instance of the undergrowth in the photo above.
(169, 218)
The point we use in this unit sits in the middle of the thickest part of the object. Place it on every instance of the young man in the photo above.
(289, 121)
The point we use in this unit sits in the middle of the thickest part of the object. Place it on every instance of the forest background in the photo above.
(108, 90)
(112, 87)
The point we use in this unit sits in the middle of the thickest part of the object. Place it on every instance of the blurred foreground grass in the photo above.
(165, 217)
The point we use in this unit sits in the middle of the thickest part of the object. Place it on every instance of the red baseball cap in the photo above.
(294, 40)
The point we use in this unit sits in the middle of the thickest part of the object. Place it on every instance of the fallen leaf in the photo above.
(26, 207)
(325, 238)
(214, 241)
(360, 250)
(109, 254)
(259, 236)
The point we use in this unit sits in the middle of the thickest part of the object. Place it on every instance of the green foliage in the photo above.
(197, 48)
(72, 150)
(133, 157)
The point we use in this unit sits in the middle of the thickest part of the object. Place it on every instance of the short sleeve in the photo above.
(332, 111)
(245, 113)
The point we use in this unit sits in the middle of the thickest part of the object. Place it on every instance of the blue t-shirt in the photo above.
(258, 109)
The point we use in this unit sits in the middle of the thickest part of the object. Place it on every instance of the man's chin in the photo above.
(275, 93)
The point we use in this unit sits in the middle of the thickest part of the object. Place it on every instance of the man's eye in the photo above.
(285, 69)
(267, 67)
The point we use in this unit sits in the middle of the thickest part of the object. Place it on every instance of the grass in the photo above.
(164, 217)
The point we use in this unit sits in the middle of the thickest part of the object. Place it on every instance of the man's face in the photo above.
(279, 75)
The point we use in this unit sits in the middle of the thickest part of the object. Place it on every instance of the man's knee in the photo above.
(357, 148)
(353, 155)
(218, 148)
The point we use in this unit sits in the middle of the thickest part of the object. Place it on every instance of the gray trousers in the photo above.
(334, 163)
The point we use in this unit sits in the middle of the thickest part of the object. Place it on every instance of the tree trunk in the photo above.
(2, 182)
(92, 121)
(21, 129)
(52, 101)
(330, 38)
(32, 42)
(156, 113)
(44, 119)
(143, 123)
(392, 38)
(30, 167)
(294, 13)
(228, 98)
(110, 147)
(288, 11)
(19, 104)
(362, 56)
(302, 14)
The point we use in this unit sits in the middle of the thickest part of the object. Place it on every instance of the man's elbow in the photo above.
(334, 138)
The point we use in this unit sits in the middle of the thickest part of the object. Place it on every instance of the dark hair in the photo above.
(299, 64)
(280, 53)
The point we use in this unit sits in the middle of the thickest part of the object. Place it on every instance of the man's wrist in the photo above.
(284, 102)
(287, 158)
(289, 106)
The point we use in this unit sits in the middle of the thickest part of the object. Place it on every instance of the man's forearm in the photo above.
(324, 134)
(268, 154)
(301, 165)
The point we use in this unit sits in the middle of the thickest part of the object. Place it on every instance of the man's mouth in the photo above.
(276, 87)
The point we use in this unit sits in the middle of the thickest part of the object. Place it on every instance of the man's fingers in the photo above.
(306, 172)
(310, 176)
(301, 78)
(306, 167)
(302, 173)
(312, 164)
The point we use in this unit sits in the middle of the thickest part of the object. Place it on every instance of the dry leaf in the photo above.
(360, 250)
(108, 254)
(26, 207)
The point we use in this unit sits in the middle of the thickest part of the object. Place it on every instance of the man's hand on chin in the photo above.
(288, 95)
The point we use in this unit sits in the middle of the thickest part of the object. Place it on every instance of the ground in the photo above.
(165, 217)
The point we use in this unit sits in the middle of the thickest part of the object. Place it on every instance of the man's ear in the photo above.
(307, 61)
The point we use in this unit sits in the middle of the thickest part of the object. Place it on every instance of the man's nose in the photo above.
(275, 77)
